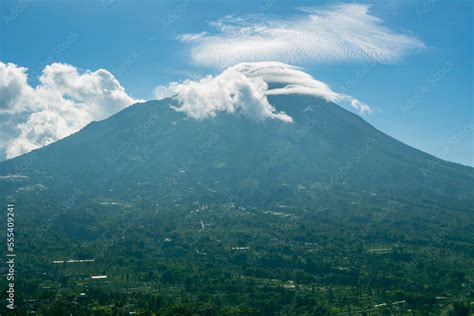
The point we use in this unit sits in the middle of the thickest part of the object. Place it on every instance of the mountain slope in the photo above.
(155, 151)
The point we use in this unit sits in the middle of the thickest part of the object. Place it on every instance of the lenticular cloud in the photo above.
(334, 34)
(243, 89)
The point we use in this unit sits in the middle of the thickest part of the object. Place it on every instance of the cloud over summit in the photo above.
(243, 89)
(335, 34)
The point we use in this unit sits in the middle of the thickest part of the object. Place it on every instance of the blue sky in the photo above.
(423, 97)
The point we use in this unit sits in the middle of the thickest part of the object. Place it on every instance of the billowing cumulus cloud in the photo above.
(339, 33)
(231, 92)
(243, 89)
(64, 101)
(13, 87)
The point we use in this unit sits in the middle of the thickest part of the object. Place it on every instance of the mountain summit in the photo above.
(244, 89)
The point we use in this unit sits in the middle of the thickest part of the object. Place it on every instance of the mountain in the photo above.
(150, 210)
(158, 153)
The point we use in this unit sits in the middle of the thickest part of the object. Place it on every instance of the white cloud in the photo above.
(231, 91)
(13, 87)
(64, 101)
(361, 107)
(243, 89)
(339, 33)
